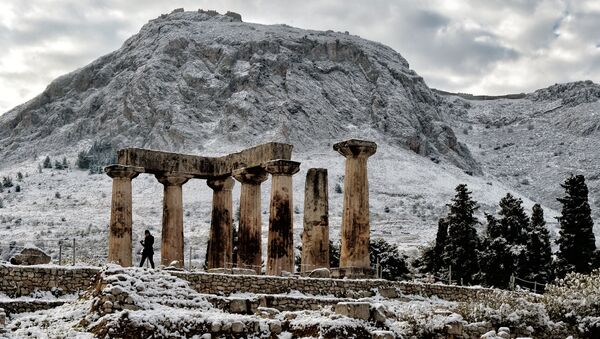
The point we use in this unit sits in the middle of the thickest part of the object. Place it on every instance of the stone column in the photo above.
(354, 251)
(315, 237)
(119, 235)
(220, 238)
(172, 220)
(280, 248)
(249, 252)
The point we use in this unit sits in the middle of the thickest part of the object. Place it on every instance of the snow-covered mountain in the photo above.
(193, 81)
(209, 84)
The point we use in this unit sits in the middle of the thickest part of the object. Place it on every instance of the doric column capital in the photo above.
(221, 184)
(172, 179)
(355, 148)
(122, 171)
(250, 175)
(282, 167)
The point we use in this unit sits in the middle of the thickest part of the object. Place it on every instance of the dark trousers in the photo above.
(149, 257)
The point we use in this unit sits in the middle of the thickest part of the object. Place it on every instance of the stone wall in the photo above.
(23, 280)
(224, 284)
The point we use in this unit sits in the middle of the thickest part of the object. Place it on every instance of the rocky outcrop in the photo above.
(30, 256)
(192, 77)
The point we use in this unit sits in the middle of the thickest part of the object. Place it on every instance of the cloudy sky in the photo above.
(481, 47)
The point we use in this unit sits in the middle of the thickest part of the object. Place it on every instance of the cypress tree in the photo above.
(514, 224)
(577, 243)
(460, 252)
(431, 259)
(539, 249)
(497, 262)
(513, 220)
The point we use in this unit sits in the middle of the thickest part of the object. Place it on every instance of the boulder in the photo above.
(320, 273)
(356, 310)
(30, 256)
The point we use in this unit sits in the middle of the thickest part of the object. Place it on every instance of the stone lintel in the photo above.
(157, 162)
(250, 175)
(221, 184)
(355, 148)
(121, 171)
(282, 167)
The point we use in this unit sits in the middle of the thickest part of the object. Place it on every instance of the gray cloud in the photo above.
(493, 47)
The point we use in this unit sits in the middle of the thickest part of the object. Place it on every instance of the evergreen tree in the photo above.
(539, 249)
(513, 220)
(577, 243)
(65, 163)
(497, 262)
(440, 243)
(83, 162)
(47, 162)
(58, 165)
(393, 264)
(431, 260)
(514, 227)
(460, 252)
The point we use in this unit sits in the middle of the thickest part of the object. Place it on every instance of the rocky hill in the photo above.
(533, 143)
(190, 81)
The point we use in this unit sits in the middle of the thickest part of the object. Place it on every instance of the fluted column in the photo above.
(315, 237)
(172, 220)
(249, 254)
(280, 248)
(220, 238)
(119, 235)
(354, 251)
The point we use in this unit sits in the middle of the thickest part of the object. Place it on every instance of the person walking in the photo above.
(148, 251)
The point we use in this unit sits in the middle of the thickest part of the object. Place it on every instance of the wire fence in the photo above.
(514, 282)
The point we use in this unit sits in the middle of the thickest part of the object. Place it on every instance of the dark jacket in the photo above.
(148, 242)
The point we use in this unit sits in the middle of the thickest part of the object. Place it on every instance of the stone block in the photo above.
(243, 271)
(239, 306)
(356, 310)
(388, 292)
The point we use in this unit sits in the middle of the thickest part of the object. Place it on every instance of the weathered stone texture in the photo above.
(354, 251)
(249, 253)
(172, 219)
(280, 247)
(220, 242)
(120, 227)
(315, 237)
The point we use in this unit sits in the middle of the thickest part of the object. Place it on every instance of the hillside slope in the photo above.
(534, 143)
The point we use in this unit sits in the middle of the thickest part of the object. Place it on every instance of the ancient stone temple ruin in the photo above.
(251, 167)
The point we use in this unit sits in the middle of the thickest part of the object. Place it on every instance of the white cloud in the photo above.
(485, 47)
